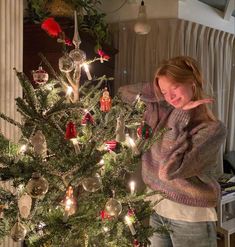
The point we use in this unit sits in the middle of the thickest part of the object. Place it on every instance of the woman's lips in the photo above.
(175, 102)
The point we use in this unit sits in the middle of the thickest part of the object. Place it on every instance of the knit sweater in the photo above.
(180, 164)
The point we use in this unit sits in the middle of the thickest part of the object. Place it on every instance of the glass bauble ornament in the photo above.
(40, 76)
(66, 63)
(113, 207)
(92, 184)
(18, 232)
(144, 131)
(37, 186)
(78, 56)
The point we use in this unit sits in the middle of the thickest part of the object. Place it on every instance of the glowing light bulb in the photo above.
(132, 187)
(129, 223)
(132, 145)
(86, 68)
(69, 91)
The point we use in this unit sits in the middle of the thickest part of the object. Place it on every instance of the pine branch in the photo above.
(30, 95)
(10, 120)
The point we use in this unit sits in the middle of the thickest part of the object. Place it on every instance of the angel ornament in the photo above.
(24, 205)
(38, 141)
(105, 101)
(120, 129)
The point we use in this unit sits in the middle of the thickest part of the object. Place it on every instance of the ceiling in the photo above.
(226, 6)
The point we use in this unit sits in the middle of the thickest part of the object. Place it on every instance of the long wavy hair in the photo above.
(184, 69)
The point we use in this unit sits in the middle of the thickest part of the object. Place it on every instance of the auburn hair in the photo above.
(184, 69)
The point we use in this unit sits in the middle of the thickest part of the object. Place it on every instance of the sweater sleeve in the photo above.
(129, 92)
(194, 152)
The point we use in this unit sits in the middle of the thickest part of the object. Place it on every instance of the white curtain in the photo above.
(11, 55)
(139, 56)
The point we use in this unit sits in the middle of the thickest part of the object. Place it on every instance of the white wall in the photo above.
(129, 11)
(191, 10)
(199, 12)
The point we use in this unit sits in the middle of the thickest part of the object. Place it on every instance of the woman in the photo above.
(181, 163)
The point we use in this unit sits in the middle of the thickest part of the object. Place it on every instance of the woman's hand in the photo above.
(194, 104)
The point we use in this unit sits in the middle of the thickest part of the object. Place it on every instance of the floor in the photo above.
(221, 242)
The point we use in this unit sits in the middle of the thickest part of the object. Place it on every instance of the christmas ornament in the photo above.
(136, 243)
(105, 101)
(87, 119)
(78, 56)
(24, 205)
(37, 186)
(111, 145)
(66, 63)
(92, 184)
(38, 141)
(120, 129)
(40, 76)
(70, 202)
(71, 131)
(51, 27)
(18, 232)
(144, 131)
(103, 56)
(104, 215)
(113, 207)
(131, 215)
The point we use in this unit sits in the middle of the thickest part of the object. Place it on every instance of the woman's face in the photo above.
(175, 93)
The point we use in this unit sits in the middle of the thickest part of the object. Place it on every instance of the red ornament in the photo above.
(71, 131)
(51, 27)
(103, 56)
(111, 145)
(131, 215)
(144, 131)
(105, 101)
(104, 215)
(136, 243)
(87, 119)
(68, 42)
(40, 76)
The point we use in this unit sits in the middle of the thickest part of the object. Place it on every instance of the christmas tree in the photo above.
(70, 168)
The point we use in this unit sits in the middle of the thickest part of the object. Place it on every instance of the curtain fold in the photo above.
(11, 50)
(139, 56)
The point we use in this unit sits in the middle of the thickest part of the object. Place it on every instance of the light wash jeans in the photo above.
(182, 233)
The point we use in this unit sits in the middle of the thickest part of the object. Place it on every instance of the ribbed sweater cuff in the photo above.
(181, 117)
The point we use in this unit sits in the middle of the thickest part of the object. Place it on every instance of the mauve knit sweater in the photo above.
(181, 163)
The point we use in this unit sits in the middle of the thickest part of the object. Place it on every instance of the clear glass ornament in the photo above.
(92, 184)
(37, 186)
(18, 232)
(40, 76)
(78, 56)
(113, 207)
(66, 63)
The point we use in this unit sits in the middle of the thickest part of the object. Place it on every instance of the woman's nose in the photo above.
(172, 95)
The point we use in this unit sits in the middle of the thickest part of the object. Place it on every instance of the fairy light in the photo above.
(106, 229)
(76, 145)
(132, 187)
(129, 223)
(21, 152)
(88, 74)
(132, 144)
(101, 162)
(23, 149)
(69, 91)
